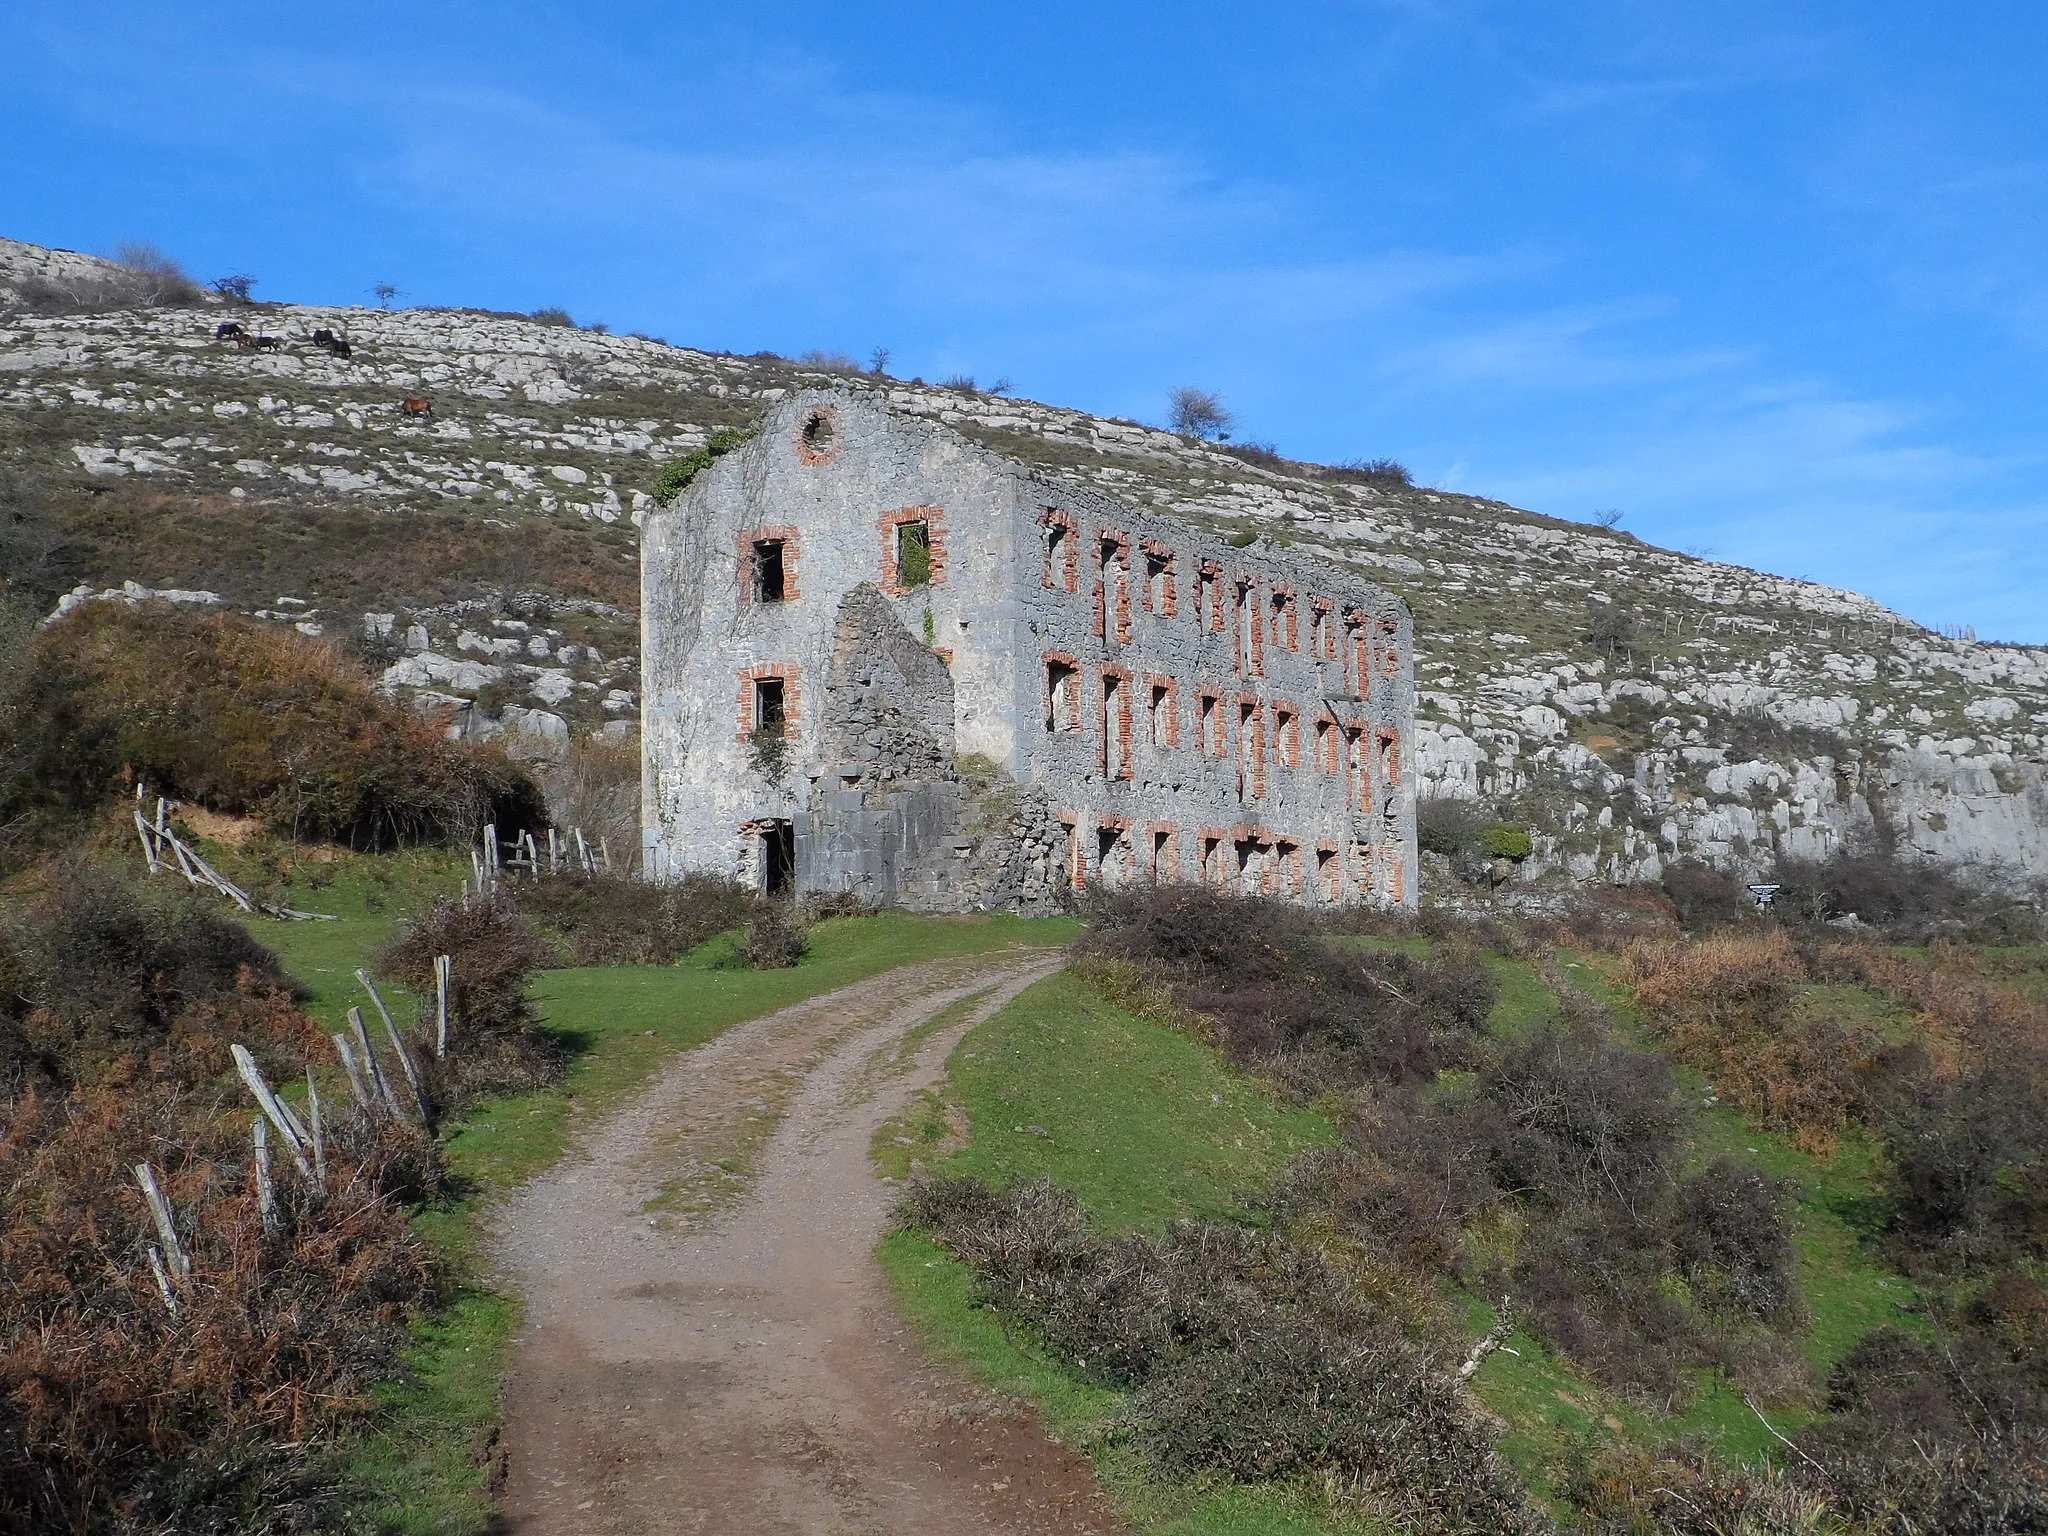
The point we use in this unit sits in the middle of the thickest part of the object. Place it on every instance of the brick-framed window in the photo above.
(768, 564)
(1322, 641)
(1387, 754)
(818, 438)
(1357, 658)
(1211, 732)
(1211, 862)
(1328, 745)
(1329, 873)
(1247, 643)
(1162, 852)
(1209, 595)
(1365, 871)
(1251, 747)
(911, 535)
(1286, 622)
(1113, 584)
(1062, 692)
(1162, 710)
(1357, 768)
(1390, 646)
(1287, 867)
(1077, 877)
(1286, 733)
(1062, 550)
(1117, 757)
(768, 692)
(1115, 859)
(1158, 594)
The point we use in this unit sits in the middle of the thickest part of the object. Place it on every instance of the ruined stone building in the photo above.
(880, 658)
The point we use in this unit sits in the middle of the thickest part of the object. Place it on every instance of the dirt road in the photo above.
(709, 1344)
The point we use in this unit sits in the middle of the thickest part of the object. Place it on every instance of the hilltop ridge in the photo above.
(1631, 704)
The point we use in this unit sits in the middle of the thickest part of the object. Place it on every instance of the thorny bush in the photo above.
(239, 717)
(608, 919)
(115, 1414)
(495, 1043)
(1250, 1356)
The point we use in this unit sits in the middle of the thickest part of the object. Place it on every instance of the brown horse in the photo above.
(415, 408)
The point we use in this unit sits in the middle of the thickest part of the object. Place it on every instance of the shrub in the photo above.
(239, 717)
(113, 1415)
(1507, 841)
(1572, 1120)
(617, 920)
(140, 276)
(100, 965)
(1733, 1241)
(776, 937)
(1706, 897)
(1967, 1185)
(495, 1045)
(595, 785)
(1385, 474)
(677, 474)
(1252, 1357)
(1908, 900)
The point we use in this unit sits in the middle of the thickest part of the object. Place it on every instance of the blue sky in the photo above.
(1772, 279)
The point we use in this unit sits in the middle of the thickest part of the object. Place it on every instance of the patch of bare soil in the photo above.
(709, 1344)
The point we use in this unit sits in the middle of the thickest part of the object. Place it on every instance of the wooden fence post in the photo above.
(267, 1101)
(266, 1193)
(355, 1076)
(376, 1068)
(442, 966)
(160, 1212)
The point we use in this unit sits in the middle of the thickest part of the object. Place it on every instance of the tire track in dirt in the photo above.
(709, 1344)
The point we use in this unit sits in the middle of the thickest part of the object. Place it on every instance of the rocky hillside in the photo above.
(1631, 704)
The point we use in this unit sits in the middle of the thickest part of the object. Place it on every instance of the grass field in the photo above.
(1145, 1125)
(424, 1458)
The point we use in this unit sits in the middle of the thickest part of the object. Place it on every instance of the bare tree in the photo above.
(384, 293)
(878, 361)
(235, 287)
(1198, 413)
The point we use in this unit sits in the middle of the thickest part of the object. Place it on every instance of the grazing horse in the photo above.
(338, 348)
(323, 337)
(415, 408)
(227, 330)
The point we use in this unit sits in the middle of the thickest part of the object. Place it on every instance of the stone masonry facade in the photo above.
(879, 658)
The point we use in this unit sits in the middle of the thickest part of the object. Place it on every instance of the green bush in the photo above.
(677, 474)
(1504, 840)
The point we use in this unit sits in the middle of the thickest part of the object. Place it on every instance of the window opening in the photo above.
(1059, 696)
(1162, 861)
(1161, 712)
(1323, 746)
(1212, 861)
(1158, 565)
(1247, 850)
(820, 435)
(913, 554)
(770, 722)
(1326, 873)
(1212, 726)
(1116, 751)
(1056, 551)
(1108, 867)
(1247, 750)
(768, 571)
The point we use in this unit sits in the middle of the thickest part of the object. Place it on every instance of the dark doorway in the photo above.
(768, 573)
(778, 858)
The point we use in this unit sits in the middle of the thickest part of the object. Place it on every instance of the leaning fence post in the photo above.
(442, 965)
(266, 1193)
(376, 1068)
(148, 853)
(319, 1139)
(253, 1076)
(160, 1212)
(355, 1076)
(412, 1078)
(163, 1281)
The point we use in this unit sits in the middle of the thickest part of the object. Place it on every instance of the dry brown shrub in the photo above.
(240, 717)
(116, 1415)
(1725, 1006)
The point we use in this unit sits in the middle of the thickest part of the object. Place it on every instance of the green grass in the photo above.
(419, 1464)
(1145, 1125)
